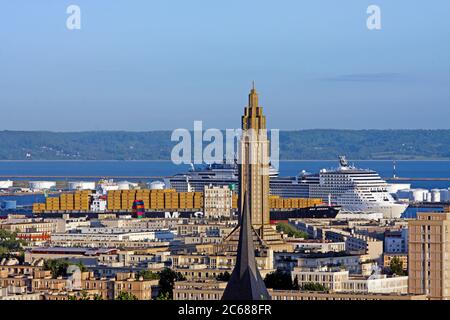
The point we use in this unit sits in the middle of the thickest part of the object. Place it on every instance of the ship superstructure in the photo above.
(354, 189)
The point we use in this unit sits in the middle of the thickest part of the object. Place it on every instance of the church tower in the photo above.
(254, 164)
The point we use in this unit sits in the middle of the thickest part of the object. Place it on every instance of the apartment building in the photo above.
(429, 255)
(218, 202)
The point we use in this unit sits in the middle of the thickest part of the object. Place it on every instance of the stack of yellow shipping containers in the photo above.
(198, 200)
(279, 203)
(234, 201)
(63, 202)
(167, 199)
(111, 200)
(182, 197)
(314, 202)
(52, 204)
(124, 200)
(276, 202)
(114, 200)
(144, 195)
(86, 196)
(79, 201)
(171, 200)
(39, 207)
(190, 200)
(157, 199)
(70, 202)
(131, 198)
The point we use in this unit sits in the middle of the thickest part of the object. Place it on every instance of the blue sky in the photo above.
(148, 65)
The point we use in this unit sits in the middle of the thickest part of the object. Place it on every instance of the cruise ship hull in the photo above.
(390, 211)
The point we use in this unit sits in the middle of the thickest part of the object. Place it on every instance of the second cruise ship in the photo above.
(354, 189)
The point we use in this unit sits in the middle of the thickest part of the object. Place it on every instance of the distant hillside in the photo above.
(294, 145)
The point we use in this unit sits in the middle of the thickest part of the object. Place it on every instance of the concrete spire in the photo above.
(246, 282)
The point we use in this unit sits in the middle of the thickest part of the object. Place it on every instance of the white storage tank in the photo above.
(42, 185)
(417, 195)
(157, 185)
(6, 184)
(435, 195)
(444, 195)
(81, 185)
(107, 185)
(126, 185)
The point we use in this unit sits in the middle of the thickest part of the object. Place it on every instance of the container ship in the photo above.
(168, 203)
(318, 212)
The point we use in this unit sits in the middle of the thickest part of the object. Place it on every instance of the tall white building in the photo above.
(218, 201)
(341, 281)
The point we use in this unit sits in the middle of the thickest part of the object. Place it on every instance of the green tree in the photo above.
(98, 297)
(396, 266)
(314, 287)
(167, 279)
(223, 276)
(279, 280)
(58, 267)
(163, 296)
(147, 275)
(123, 295)
(84, 295)
(290, 230)
(10, 245)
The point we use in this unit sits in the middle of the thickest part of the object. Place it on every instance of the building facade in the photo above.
(218, 201)
(429, 255)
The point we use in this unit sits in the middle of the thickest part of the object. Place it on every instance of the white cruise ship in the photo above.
(355, 190)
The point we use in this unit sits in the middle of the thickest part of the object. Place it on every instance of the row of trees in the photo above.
(294, 145)
(280, 280)
(123, 295)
